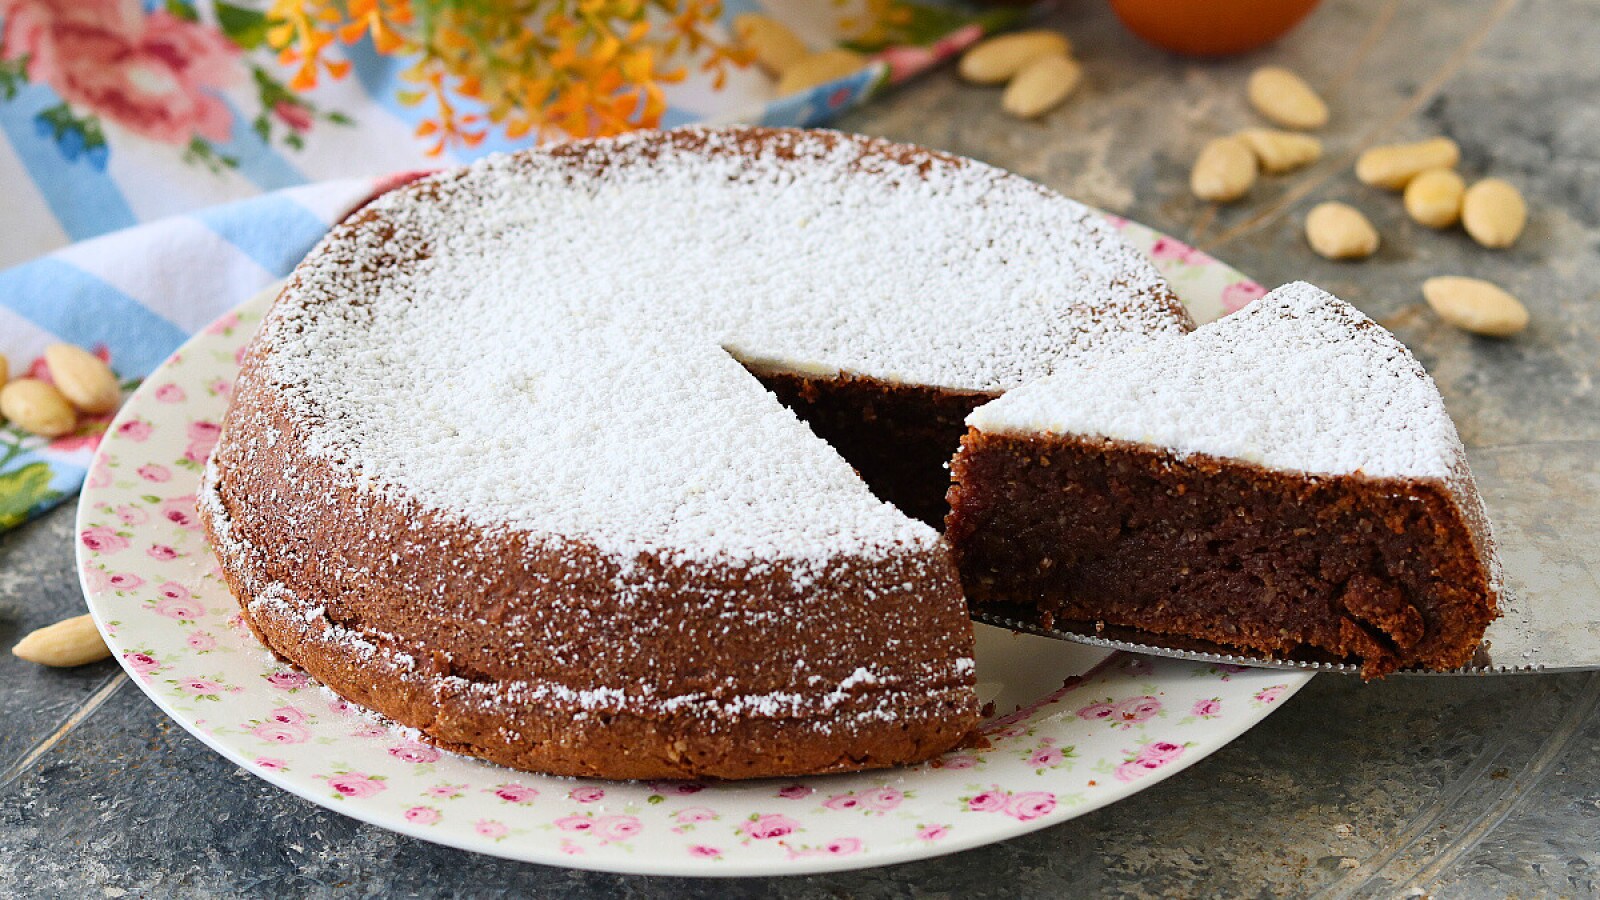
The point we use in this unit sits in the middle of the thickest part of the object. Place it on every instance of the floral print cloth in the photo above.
(164, 138)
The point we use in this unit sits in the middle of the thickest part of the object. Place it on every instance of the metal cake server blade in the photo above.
(1544, 501)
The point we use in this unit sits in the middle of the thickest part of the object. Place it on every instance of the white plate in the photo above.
(1080, 727)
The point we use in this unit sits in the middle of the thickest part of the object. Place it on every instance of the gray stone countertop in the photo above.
(1454, 787)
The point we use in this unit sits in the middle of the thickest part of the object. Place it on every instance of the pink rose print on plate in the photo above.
(201, 641)
(136, 430)
(154, 474)
(960, 761)
(170, 393)
(415, 754)
(516, 793)
(141, 663)
(1045, 757)
(795, 792)
(280, 733)
(271, 762)
(1147, 759)
(102, 539)
(844, 846)
(768, 827)
(422, 815)
(96, 580)
(356, 785)
(180, 512)
(1137, 709)
(586, 794)
(1166, 248)
(224, 324)
(1240, 294)
(446, 791)
(616, 828)
(491, 829)
(369, 732)
(882, 799)
(1207, 709)
(575, 824)
(931, 833)
(200, 686)
(1030, 805)
(694, 815)
(1100, 710)
(841, 802)
(184, 609)
(287, 715)
(288, 681)
(992, 800)
(1271, 694)
(132, 515)
(202, 440)
(704, 852)
(162, 553)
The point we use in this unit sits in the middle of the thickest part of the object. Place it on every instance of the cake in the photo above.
(1284, 480)
(510, 461)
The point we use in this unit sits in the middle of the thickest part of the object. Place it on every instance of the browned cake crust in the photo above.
(497, 647)
(1385, 572)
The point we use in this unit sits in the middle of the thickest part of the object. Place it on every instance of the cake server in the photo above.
(1544, 503)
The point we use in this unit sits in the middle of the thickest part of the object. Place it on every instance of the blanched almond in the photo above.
(1393, 166)
(998, 59)
(83, 378)
(37, 407)
(1494, 213)
(1339, 231)
(1281, 151)
(774, 46)
(1224, 170)
(1041, 86)
(1285, 99)
(1433, 198)
(1475, 305)
(73, 642)
(819, 68)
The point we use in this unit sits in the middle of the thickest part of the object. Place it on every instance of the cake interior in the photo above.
(899, 437)
(1083, 529)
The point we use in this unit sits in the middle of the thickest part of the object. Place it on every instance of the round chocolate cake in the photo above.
(598, 460)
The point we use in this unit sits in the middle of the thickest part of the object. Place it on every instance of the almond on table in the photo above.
(72, 642)
(1393, 166)
(1494, 213)
(998, 59)
(1434, 198)
(1281, 151)
(1224, 170)
(1340, 231)
(1285, 99)
(1475, 305)
(1041, 86)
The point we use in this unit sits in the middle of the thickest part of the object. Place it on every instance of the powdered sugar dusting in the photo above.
(558, 342)
(1297, 381)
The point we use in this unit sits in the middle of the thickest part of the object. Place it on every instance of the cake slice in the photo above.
(1285, 480)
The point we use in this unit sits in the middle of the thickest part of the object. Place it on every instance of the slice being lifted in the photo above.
(1284, 480)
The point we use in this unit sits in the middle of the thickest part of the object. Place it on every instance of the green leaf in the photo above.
(24, 490)
(245, 27)
(182, 10)
(13, 75)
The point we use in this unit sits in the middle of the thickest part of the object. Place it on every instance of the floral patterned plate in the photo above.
(1077, 728)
